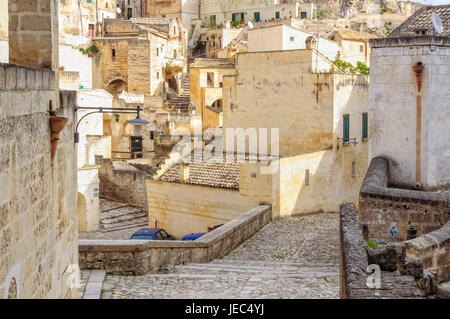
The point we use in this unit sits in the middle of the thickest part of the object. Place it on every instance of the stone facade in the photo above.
(122, 182)
(380, 205)
(38, 223)
(406, 119)
(138, 257)
(355, 262)
(4, 45)
(133, 54)
(183, 10)
(32, 26)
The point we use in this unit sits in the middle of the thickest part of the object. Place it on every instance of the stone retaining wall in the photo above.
(138, 257)
(380, 205)
(433, 249)
(355, 261)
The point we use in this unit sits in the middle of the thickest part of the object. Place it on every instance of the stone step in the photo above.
(121, 211)
(311, 270)
(140, 222)
(123, 218)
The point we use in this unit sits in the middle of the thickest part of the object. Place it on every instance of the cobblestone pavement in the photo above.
(295, 257)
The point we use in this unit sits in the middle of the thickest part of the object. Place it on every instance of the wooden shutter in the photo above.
(346, 128)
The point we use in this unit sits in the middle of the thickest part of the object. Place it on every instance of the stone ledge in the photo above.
(16, 77)
(376, 181)
(410, 41)
(138, 257)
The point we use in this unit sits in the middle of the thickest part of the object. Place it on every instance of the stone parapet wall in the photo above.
(120, 181)
(380, 205)
(138, 257)
(38, 219)
(433, 249)
(355, 261)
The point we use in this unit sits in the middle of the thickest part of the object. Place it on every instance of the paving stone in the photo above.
(296, 257)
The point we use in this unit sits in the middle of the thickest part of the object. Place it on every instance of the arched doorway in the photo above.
(116, 87)
(218, 104)
(82, 213)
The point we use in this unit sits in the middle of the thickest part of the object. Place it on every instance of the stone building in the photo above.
(206, 89)
(354, 45)
(133, 54)
(38, 220)
(409, 101)
(218, 39)
(132, 8)
(218, 12)
(80, 22)
(284, 37)
(321, 120)
(184, 10)
(92, 142)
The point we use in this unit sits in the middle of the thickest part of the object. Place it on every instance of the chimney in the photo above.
(183, 172)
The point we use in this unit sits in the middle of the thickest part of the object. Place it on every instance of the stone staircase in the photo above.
(117, 216)
(258, 269)
(181, 103)
(174, 157)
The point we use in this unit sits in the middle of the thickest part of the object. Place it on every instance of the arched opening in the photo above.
(12, 290)
(82, 213)
(116, 87)
(218, 104)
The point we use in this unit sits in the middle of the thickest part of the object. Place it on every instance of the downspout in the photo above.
(417, 69)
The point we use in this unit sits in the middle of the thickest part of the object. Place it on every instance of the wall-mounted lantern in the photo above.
(137, 122)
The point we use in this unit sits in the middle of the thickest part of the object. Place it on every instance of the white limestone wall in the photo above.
(74, 61)
(88, 199)
(4, 51)
(92, 124)
(392, 116)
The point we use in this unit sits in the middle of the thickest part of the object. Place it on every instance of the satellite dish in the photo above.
(118, 10)
(250, 25)
(437, 23)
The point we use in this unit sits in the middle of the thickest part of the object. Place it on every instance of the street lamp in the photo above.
(135, 122)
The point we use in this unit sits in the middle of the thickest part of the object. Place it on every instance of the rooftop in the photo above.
(420, 23)
(214, 172)
(212, 63)
(348, 34)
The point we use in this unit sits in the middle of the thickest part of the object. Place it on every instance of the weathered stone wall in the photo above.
(33, 33)
(433, 249)
(122, 182)
(138, 257)
(394, 112)
(38, 223)
(380, 205)
(4, 46)
(355, 261)
(194, 208)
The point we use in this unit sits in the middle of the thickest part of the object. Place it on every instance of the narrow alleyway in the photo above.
(295, 257)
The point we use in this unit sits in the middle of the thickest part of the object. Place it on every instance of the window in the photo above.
(159, 236)
(157, 75)
(164, 234)
(257, 16)
(365, 131)
(292, 39)
(130, 13)
(157, 51)
(152, 135)
(346, 127)
(303, 15)
(136, 147)
(353, 169)
(277, 15)
(212, 20)
(113, 53)
(307, 177)
(89, 1)
(361, 48)
(253, 175)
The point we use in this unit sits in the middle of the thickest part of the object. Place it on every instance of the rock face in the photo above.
(351, 8)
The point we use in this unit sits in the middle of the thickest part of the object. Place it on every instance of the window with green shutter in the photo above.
(277, 15)
(346, 137)
(212, 20)
(365, 133)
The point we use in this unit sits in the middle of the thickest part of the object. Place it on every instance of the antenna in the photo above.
(437, 23)
(250, 25)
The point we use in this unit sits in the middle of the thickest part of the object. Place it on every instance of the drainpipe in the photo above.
(417, 69)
